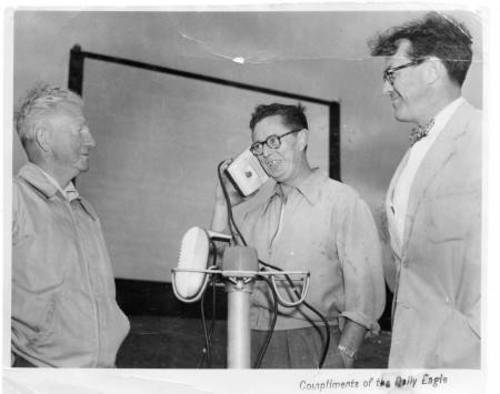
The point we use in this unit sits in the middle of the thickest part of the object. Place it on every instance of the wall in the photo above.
(322, 54)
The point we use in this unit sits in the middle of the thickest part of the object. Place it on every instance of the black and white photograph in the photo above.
(209, 191)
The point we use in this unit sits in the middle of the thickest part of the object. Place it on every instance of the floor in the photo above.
(175, 342)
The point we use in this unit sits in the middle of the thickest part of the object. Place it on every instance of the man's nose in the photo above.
(266, 150)
(88, 139)
(388, 88)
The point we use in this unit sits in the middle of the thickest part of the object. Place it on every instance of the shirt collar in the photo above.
(309, 187)
(69, 192)
(444, 116)
(42, 181)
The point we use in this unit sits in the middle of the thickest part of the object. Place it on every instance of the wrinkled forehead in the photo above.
(66, 112)
(270, 125)
(70, 109)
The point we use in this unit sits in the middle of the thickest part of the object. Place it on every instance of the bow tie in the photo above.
(419, 132)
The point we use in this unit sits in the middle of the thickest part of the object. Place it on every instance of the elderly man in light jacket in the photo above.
(64, 312)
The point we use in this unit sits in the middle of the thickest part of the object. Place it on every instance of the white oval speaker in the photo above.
(195, 249)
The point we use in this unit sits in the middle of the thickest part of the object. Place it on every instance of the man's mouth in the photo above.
(272, 164)
(395, 100)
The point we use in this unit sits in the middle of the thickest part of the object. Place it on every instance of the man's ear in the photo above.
(434, 70)
(42, 136)
(302, 139)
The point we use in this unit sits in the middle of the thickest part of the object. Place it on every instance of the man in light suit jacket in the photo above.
(434, 200)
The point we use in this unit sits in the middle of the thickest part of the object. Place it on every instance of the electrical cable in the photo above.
(211, 332)
(265, 345)
(208, 333)
(312, 309)
(214, 292)
(206, 356)
(234, 228)
(230, 218)
(226, 198)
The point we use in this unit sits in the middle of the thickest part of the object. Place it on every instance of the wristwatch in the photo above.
(347, 351)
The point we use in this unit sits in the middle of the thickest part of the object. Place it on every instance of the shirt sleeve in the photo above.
(360, 256)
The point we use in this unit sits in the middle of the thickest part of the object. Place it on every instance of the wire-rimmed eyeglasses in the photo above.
(273, 142)
(388, 75)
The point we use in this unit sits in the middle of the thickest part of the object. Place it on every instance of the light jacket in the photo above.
(436, 313)
(64, 312)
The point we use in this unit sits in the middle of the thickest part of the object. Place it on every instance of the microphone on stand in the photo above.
(238, 269)
(190, 278)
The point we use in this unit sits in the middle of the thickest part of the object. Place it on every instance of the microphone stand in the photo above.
(240, 267)
(238, 323)
(240, 264)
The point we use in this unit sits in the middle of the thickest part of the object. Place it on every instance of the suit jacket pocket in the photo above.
(459, 345)
(449, 217)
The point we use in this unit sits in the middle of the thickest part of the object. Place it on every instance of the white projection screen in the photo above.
(159, 140)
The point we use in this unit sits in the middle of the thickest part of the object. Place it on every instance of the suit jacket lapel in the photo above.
(436, 157)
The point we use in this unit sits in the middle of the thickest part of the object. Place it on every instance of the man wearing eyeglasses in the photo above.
(308, 223)
(434, 199)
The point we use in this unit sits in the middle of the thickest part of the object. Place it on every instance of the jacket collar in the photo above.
(34, 175)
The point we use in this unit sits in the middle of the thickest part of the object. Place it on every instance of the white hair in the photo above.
(39, 102)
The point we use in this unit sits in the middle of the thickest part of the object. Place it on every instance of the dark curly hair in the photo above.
(434, 35)
(292, 115)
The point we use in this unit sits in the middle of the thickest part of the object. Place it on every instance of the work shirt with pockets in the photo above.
(322, 227)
